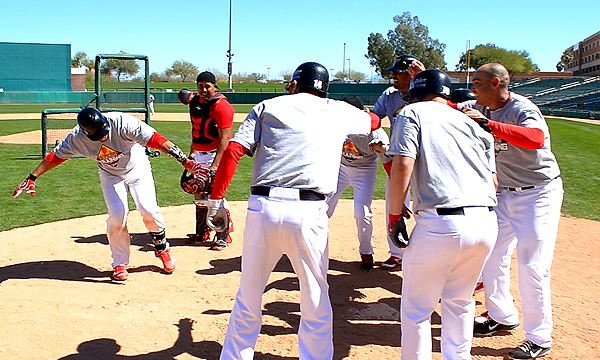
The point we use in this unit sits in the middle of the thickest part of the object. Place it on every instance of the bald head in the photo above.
(495, 70)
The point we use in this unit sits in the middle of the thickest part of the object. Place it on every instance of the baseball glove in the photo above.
(185, 96)
(197, 184)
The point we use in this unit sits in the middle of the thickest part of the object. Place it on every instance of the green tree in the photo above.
(516, 62)
(119, 67)
(183, 69)
(565, 59)
(286, 74)
(80, 59)
(409, 37)
(351, 76)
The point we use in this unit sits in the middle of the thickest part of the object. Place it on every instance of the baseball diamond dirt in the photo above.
(59, 301)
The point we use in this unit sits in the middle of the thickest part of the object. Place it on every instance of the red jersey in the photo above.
(207, 118)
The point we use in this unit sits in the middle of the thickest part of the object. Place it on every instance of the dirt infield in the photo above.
(59, 302)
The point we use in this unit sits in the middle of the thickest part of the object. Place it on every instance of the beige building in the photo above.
(586, 57)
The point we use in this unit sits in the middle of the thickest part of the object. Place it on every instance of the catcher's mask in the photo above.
(189, 183)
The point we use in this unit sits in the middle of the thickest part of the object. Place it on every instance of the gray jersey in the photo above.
(518, 167)
(297, 140)
(454, 157)
(389, 104)
(357, 153)
(123, 150)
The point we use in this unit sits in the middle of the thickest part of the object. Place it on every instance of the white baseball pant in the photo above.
(277, 225)
(527, 219)
(445, 256)
(362, 179)
(140, 184)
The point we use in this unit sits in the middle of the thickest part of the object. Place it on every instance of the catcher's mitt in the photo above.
(185, 96)
(197, 184)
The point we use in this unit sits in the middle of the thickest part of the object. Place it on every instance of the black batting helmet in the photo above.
(429, 82)
(461, 95)
(402, 64)
(312, 77)
(93, 123)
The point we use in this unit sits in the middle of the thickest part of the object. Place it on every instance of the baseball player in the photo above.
(389, 104)
(359, 170)
(151, 104)
(297, 142)
(116, 142)
(451, 162)
(529, 202)
(212, 118)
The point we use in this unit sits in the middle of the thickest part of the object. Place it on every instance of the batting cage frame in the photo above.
(57, 123)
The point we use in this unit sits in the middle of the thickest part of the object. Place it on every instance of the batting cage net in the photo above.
(57, 123)
(122, 83)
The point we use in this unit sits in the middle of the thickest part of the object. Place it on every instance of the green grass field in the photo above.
(73, 189)
(37, 108)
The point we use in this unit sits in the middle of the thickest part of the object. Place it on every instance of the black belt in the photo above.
(520, 188)
(456, 210)
(304, 194)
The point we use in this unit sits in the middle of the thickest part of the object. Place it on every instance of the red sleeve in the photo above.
(387, 167)
(227, 166)
(451, 104)
(375, 121)
(156, 141)
(521, 136)
(223, 113)
(52, 158)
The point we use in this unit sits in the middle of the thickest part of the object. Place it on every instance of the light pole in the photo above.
(331, 73)
(468, 59)
(229, 55)
(348, 68)
(268, 73)
(344, 62)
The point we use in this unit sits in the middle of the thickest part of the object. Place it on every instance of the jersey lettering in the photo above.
(108, 156)
(500, 145)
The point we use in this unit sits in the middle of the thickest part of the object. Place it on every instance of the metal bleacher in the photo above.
(578, 94)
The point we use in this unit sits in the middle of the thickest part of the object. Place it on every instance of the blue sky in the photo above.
(280, 35)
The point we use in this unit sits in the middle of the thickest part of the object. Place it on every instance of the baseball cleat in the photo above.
(366, 262)
(491, 327)
(528, 350)
(167, 260)
(120, 273)
(391, 263)
(482, 318)
(198, 238)
(219, 244)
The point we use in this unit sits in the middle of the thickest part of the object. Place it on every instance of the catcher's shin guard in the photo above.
(201, 227)
(159, 241)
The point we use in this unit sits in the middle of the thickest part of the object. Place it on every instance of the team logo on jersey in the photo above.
(351, 153)
(500, 145)
(108, 156)
(399, 109)
(318, 84)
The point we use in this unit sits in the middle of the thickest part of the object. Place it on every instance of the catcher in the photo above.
(212, 118)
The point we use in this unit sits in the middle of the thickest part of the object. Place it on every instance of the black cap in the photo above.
(206, 76)
(357, 101)
(402, 64)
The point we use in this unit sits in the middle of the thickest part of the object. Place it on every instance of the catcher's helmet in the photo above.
(93, 123)
(189, 183)
(429, 82)
(402, 64)
(461, 95)
(312, 77)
